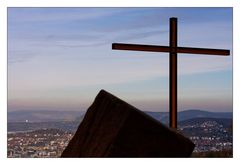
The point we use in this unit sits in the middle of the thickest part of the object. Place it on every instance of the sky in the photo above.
(60, 58)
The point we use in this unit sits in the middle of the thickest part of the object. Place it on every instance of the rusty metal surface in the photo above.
(166, 49)
(173, 73)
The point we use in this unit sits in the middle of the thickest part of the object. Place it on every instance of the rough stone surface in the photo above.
(113, 128)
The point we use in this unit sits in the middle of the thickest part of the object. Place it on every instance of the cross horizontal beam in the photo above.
(156, 48)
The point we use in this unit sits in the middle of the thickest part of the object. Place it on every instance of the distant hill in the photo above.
(207, 127)
(70, 126)
(53, 116)
(225, 122)
(189, 114)
(73, 125)
(44, 116)
(69, 120)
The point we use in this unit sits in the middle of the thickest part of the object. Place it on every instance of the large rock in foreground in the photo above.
(113, 128)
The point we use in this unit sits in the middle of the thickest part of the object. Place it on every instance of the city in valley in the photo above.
(39, 143)
(49, 139)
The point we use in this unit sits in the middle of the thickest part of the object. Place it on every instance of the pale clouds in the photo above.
(57, 54)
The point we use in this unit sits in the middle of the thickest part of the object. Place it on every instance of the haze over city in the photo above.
(60, 58)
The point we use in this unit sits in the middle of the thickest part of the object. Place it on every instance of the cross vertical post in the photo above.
(173, 73)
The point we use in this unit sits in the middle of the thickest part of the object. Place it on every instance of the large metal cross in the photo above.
(173, 49)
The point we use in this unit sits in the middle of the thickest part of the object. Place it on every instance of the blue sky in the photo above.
(59, 58)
